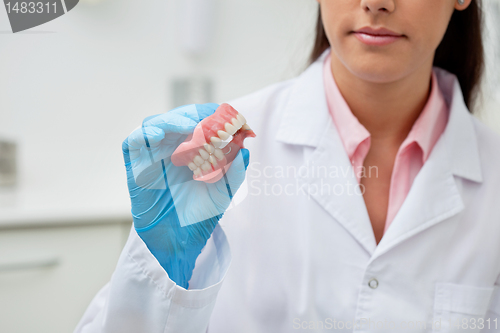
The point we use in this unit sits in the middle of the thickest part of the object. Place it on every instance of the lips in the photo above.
(378, 32)
(377, 37)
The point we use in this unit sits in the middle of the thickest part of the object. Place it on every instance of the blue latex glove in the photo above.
(174, 214)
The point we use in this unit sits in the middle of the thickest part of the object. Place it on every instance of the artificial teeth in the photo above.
(241, 119)
(203, 154)
(197, 172)
(236, 123)
(212, 160)
(246, 127)
(209, 148)
(219, 154)
(230, 129)
(192, 166)
(206, 166)
(223, 135)
(216, 141)
(198, 160)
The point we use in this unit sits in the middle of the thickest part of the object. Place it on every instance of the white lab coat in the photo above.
(303, 250)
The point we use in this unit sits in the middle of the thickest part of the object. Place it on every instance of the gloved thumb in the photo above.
(246, 156)
(232, 179)
(235, 175)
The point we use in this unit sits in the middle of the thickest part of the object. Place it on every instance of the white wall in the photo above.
(71, 90)
(489, 102)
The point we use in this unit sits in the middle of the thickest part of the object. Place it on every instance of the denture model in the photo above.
(205, 151)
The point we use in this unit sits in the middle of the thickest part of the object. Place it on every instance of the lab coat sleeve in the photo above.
(140, 297)
(492, 317)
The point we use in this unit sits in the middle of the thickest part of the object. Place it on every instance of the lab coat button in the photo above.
(373, 283)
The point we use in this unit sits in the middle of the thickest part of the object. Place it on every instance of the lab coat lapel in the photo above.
(434, 196)
(330, 179)
(333, 184)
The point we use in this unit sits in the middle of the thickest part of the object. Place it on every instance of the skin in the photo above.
(386, 87)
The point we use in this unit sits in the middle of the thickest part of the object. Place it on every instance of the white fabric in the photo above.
(303, 258)
(141, 298)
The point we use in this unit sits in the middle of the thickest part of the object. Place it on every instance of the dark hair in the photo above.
(460, 52)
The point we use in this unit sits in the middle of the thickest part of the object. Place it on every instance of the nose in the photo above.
(378, 6)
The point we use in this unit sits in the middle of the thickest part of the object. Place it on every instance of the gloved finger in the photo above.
(177, 122)
(235, 175)
(196, 112)
(232, 180)
(246, 156)
(171, 122)
(181, 120)
(144, 137)
(205, 110)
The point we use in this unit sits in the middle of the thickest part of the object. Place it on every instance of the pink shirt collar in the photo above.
(425, 131)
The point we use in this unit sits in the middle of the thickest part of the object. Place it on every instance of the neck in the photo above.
(386, 110)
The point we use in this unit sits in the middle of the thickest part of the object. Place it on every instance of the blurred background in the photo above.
(71, 91)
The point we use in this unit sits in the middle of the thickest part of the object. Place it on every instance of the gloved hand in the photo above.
(174, 214)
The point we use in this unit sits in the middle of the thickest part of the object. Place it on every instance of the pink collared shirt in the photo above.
(412, 153)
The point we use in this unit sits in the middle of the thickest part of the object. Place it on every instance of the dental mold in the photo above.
(205, 152)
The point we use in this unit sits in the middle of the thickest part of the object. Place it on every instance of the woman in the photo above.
(370, 202)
